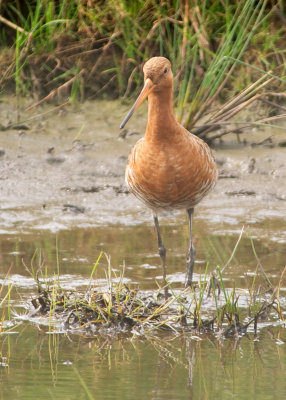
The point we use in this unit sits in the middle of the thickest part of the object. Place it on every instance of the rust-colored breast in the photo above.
(174, 173)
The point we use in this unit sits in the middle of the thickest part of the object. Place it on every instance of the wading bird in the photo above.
(169, 168)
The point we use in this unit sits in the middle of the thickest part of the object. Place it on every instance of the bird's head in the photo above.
(159, 72)
(158, 77)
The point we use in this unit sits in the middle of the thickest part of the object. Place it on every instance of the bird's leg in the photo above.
(162, 252)
(191, 252)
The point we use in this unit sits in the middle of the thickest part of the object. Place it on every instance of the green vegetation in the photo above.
(85, 49)
(113, 307)
(5, 303)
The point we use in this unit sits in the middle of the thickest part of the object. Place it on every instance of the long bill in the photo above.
(142, 96)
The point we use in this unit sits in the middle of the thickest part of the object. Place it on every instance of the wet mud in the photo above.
(63, 201)
(62, 172)
(65, 169)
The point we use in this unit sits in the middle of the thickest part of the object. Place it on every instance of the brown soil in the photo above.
(66, 169)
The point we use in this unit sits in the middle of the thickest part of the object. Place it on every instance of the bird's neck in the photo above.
(161, 119)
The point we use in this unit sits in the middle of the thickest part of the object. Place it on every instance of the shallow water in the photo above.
(48, 367)
(62, 202)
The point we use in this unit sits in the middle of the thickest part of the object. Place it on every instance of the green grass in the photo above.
(5, 297)
(5, 303)
(213, 305)
(218, 51)
(115, 307)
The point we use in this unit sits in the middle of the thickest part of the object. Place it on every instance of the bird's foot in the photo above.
(188, 283)
(166, 294)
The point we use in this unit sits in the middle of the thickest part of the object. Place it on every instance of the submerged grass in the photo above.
(116, 308)
(219, 50)
(5, 298)
(5, 303)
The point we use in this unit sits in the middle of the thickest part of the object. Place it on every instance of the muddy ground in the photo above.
(65, 168)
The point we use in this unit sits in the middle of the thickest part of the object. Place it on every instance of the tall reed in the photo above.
(216, 48)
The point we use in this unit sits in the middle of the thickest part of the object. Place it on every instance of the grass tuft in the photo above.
(119, 309)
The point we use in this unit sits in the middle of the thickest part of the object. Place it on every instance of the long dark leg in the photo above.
(162, 252)
(191, 252)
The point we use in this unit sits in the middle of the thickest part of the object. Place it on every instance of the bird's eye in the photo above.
(165, 70)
